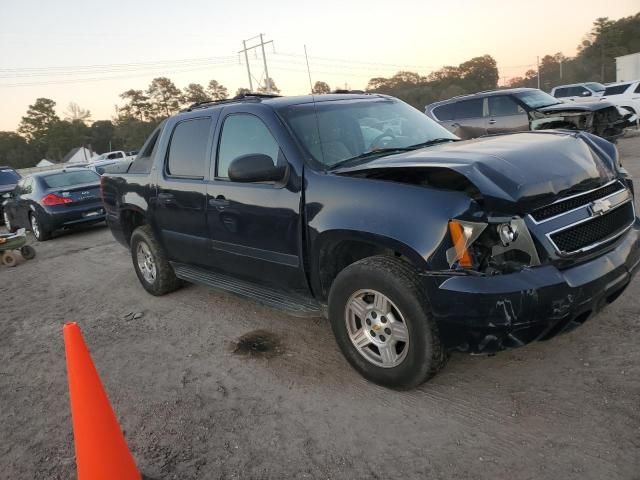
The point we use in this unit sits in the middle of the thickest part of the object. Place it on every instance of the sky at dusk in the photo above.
(89, 52)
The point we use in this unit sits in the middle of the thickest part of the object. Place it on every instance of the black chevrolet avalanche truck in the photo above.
(359, 207)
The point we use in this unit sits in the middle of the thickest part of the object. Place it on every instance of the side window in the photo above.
(445, 112)
(187, 155)
(560, 92)
(503, 105)
(637, 90)
(469, 108)
(243, 134)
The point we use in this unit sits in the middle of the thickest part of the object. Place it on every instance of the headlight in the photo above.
(495, 247)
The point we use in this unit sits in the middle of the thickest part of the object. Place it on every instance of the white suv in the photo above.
(624, 94)
(578, 92)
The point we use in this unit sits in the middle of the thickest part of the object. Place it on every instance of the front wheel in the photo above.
(152, 266)
(382, 323)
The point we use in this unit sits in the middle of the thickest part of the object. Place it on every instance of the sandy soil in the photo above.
(196, 405)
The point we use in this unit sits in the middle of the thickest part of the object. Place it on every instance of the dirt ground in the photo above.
(194, 405)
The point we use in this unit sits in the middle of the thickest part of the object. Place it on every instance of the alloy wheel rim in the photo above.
(377, 328)
(146, 262)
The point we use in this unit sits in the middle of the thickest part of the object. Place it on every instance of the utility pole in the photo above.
(246, 60)
(245, 50)
(561, 69)
(538, 65)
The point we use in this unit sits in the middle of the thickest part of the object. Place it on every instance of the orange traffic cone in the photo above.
(101, 450)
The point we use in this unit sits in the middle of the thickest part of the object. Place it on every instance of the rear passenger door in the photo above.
(470, 120)
(180, 202)
(506, 115)
(255, 228)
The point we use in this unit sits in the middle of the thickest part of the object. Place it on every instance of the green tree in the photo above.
(195, 93)
(137, 105)
(16, 152)
(39, 117)
(242, 91)
(164, 96)
(479, 73)
(320, 88)
(101, 136)
(131, 133)
(64, 135)
(217, 91)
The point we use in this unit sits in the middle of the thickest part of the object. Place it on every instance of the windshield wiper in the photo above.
(430, 142)
(370, 154)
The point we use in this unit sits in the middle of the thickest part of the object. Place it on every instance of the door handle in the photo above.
(492, 121)
(219, 202)
(166, 198)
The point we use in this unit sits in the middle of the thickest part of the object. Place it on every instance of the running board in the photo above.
(296, 305)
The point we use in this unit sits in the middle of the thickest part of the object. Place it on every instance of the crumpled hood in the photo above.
(517, 172)
(575, 107)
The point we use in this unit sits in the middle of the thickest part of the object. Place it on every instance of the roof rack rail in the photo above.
(242, 96)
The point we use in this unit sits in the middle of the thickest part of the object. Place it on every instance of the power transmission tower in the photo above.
(245, 50)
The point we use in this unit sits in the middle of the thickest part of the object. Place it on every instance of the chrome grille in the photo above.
(594, 231)
(576, 201)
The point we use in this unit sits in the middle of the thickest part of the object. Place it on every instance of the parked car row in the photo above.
(524, 109)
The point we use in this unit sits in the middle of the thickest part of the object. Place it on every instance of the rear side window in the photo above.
(469, 108)
(67, 179)
(113, 156)
(142, 163)
(8, 176)
(616, 89)
(561, 92)
(244, 134)
(187, 156)
(503, 105)
(445, 112)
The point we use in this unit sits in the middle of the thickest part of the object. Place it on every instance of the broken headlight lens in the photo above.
(495, 247)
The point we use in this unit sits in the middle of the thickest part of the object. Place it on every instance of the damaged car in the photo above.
(359, 207)
(524, 109)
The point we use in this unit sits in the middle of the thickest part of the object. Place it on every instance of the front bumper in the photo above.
(482, 314)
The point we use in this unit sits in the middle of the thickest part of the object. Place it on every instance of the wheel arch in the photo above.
(337, 249)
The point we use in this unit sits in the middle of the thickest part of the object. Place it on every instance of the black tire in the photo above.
(165, 279)
(28, 252)
(38, 229)
(397, 281)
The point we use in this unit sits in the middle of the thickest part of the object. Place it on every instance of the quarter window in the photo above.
(445, 112)
(469, 108)
(187, 155)
(244, 134)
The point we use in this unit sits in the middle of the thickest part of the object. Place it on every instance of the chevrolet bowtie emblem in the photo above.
(601, 206)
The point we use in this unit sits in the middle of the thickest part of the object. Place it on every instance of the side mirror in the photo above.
(255, 167)
(586, 93)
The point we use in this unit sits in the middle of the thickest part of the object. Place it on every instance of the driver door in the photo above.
(255, 228)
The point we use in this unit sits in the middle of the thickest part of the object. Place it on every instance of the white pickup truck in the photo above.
(114, 155)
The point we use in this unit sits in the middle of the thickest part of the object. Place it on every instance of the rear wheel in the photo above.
(382, 323)
(152, 266)
(39, 231)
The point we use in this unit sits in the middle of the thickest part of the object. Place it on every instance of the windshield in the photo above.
(8, 176)
(595, 86)
(334, 131)
(537, 98)
(67, 179)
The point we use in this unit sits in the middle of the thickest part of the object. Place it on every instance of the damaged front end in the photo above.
(607, 121)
